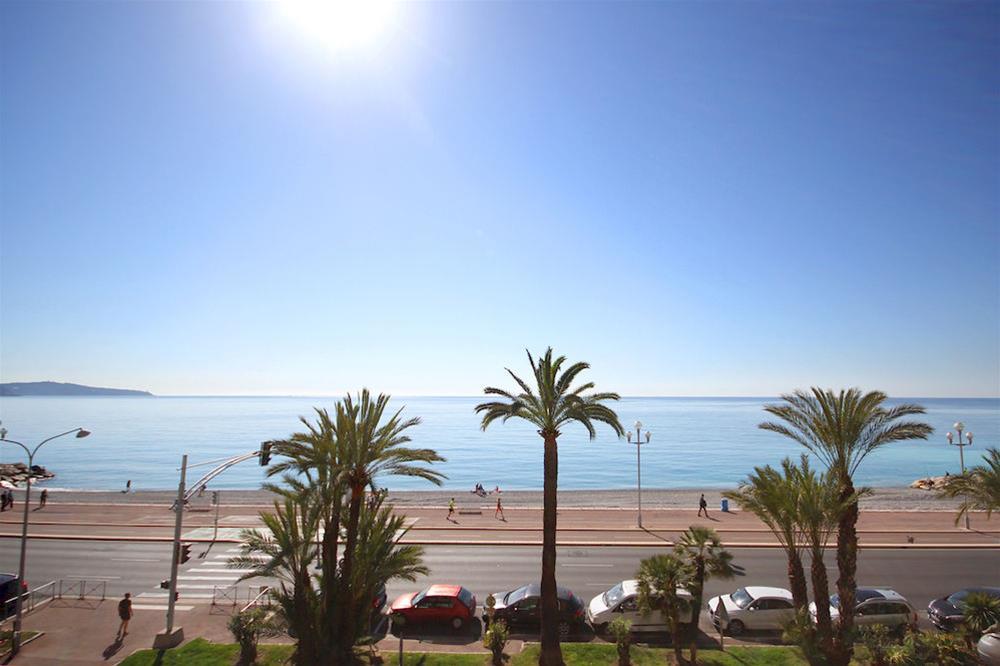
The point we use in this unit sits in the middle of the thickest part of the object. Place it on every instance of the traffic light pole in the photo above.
(171, 638)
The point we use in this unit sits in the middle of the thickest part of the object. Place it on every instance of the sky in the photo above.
(210, 198)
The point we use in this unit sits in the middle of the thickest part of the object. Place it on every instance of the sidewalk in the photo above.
(474, 523)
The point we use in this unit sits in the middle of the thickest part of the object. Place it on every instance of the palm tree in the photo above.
(841, 429)
(556, 405)
(702, 549)
(660, 577)
(979, 487)
(980, 611)
(285, 552)
(771, 496)
(372, 448)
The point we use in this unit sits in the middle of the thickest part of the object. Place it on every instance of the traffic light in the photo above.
(177, 595)
(265, 453)
(184, 554)
(164, 584)
(215, 497)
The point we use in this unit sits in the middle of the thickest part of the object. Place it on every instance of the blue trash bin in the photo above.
(725, 506)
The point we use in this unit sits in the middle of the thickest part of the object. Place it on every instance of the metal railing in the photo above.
(225, 595)
(263, 599)
(82, 589)
(30, 600)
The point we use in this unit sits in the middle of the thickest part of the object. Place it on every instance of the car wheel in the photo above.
(456, 623)
(736, 628)
(398, 619)
(563, 631)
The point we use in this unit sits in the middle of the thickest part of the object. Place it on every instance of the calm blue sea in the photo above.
(696, 442)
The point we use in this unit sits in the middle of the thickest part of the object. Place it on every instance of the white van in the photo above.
(622, 600)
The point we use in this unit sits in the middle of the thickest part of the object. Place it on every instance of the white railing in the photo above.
(30, 600)
(82, 589)
(263, 599)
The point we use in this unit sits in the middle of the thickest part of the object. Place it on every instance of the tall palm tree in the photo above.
(702, 549)
(371, 448)
(841, 429)
(770, 495)
(979, 487)
(555, 405)
(660, 577)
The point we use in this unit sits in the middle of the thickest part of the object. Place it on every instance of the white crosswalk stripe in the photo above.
(157, 607)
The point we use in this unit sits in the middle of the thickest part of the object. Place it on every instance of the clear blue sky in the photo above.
(698, 198)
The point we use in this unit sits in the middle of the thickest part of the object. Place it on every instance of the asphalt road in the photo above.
(919, 575)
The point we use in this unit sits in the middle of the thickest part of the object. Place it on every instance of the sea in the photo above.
(706, 443)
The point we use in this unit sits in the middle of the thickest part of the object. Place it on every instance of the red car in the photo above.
(438, 603)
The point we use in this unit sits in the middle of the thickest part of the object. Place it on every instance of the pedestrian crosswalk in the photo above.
(206, 582)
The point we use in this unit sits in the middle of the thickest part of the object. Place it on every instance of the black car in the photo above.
(946, 613)
(522, 608)
(8, 592)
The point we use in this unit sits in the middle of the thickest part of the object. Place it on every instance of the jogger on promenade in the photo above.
(499, 511)
(451, 508)
(44, 498)
(703, 505)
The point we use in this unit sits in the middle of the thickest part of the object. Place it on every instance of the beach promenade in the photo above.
(124, 545)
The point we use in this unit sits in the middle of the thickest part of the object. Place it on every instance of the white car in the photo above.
(874, 605)
(756, 608)
(988, 647)
(622, 600)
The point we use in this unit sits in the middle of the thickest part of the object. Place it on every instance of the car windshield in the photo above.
(958, 598)
(418, 597)
(835, 601)
(516, 595)
(614, 595)
(741, 597)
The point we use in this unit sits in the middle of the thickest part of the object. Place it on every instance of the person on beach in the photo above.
(499, 511)
(128, 486)
(125, 614)
(451, 508)
(703, 505)
(44, 498)
(10, 499)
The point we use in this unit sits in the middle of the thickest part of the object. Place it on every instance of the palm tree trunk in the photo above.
(346, 611)
(696, 600)
(797, 580)
(847, 566)
(821, 593)
(331, 547)
(675, 638)
(551, 654)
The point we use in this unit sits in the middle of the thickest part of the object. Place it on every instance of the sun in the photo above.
(340, 25)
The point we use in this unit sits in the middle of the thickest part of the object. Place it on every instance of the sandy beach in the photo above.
(898, 499)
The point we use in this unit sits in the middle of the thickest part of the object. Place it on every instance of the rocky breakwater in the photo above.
(931, 482)
(18, 473)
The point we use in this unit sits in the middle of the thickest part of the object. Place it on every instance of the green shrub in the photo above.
(621, 629)
(495, 640)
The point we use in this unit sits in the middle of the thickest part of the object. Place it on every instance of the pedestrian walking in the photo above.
(44, 498)
(703, 505)
(125, 613)
(10, 499)
(499, 511)
(451, 508)
(128, 486)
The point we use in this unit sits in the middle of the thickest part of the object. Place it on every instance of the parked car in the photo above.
(452, 604)
(946, 613)
(622, 600)
(756, 608)
(522, 607)
(875, 605)
(8, 594)
(988, 647)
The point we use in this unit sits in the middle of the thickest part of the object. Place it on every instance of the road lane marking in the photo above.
(134, 559)
(198, 586)
(160, 608)
(94, 578)
(164, 595)
(587, 565)
(229, 578)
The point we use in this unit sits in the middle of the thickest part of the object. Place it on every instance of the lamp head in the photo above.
(638, 425)
(3, 433)
(959, 426)
(968, 436)
(81, 433)
(628, 436)
(950, 437)
(648, 435)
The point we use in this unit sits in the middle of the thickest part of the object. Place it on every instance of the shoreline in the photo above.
(886, 498)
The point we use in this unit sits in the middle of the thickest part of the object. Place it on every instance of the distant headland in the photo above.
(62, 389)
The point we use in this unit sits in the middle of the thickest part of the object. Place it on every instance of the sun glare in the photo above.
(340, 25)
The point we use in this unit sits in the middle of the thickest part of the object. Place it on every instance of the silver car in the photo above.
(622, 600)
(755, 607)
(875, 605)
(988, 647)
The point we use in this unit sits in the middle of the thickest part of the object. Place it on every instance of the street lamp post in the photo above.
(961, 453)
(638, 461)
(80, 433)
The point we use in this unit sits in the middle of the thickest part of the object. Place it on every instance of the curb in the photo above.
(521, 543)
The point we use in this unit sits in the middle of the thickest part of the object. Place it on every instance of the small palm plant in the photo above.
(660, 579)
(979, 487)
(495, 640)
(621, 630)
(980, 611)
(701, 548)
(550, 404)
